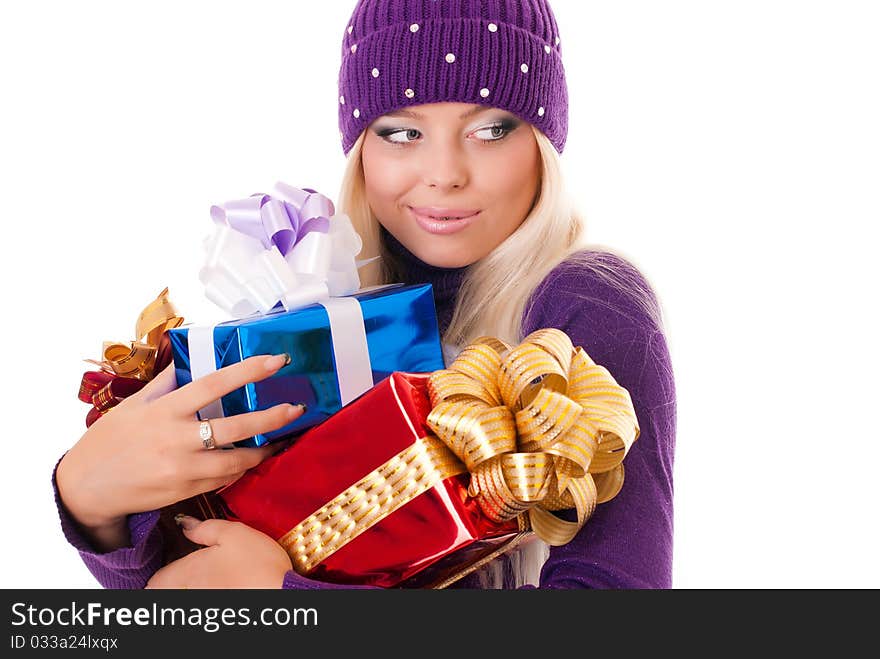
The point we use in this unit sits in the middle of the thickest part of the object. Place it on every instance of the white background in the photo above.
(730, 149)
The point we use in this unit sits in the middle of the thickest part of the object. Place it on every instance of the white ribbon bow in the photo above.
(287, 246)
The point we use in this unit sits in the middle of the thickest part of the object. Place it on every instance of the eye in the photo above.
(408, 134)
(495, 132)
(403, 136)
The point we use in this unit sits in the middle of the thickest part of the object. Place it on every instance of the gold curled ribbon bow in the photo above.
(138, 358)
(540, 427)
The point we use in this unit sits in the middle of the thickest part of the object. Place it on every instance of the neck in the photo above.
(407, 268)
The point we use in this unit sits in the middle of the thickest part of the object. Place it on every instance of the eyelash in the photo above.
(507, 126)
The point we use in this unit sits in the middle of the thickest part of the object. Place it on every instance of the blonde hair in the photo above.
(495, 290)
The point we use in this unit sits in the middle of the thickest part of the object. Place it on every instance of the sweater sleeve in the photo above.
(124, 568)
(627, 542)
(131, 567)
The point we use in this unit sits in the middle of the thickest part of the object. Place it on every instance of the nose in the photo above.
(444, 167)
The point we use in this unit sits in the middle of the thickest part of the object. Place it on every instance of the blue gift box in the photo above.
(400, 322)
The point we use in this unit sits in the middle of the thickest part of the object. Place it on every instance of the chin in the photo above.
(446, 260)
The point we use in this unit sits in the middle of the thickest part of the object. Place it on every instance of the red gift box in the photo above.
(427, 476)
(440, 527)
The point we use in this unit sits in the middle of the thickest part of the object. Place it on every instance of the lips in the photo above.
(457, 221)
(437, 213)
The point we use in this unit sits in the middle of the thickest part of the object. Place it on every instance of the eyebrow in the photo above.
(416, 115)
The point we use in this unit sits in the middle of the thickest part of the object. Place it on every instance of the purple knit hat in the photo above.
(502, 53)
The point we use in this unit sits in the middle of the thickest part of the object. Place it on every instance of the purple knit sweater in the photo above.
(627, 543)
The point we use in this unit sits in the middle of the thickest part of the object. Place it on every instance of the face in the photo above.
(451, 181)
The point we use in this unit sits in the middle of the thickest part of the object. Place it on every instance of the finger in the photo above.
(164, 578)
(231, 429)
(165, 382)
(176, 574)
(213, 484)
(229, 481)
(208, 532)
(192, 397)
(225, 464)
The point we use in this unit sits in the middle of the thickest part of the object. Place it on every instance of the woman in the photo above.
(453, 124)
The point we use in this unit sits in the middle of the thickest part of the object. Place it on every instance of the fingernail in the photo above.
(277, 361)
(293, 410)
(186, 521)
(304, 406)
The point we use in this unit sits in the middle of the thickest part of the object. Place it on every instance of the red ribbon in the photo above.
(104, 390)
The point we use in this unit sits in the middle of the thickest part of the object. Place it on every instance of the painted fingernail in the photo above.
(294, 411)
(277, 361)
(186, 521)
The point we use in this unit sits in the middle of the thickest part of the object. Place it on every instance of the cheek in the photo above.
(515, 186)
(529, 172)
(385, 179)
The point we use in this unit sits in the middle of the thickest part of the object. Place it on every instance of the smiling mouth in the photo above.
(444, 218)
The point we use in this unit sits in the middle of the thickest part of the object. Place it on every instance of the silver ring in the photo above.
(206, 432)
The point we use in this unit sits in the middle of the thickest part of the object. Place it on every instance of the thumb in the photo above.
(206, 532)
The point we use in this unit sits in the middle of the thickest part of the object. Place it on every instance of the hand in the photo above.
(146, 452)
(235, 556)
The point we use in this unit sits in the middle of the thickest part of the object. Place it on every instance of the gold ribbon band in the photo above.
(408, 474)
